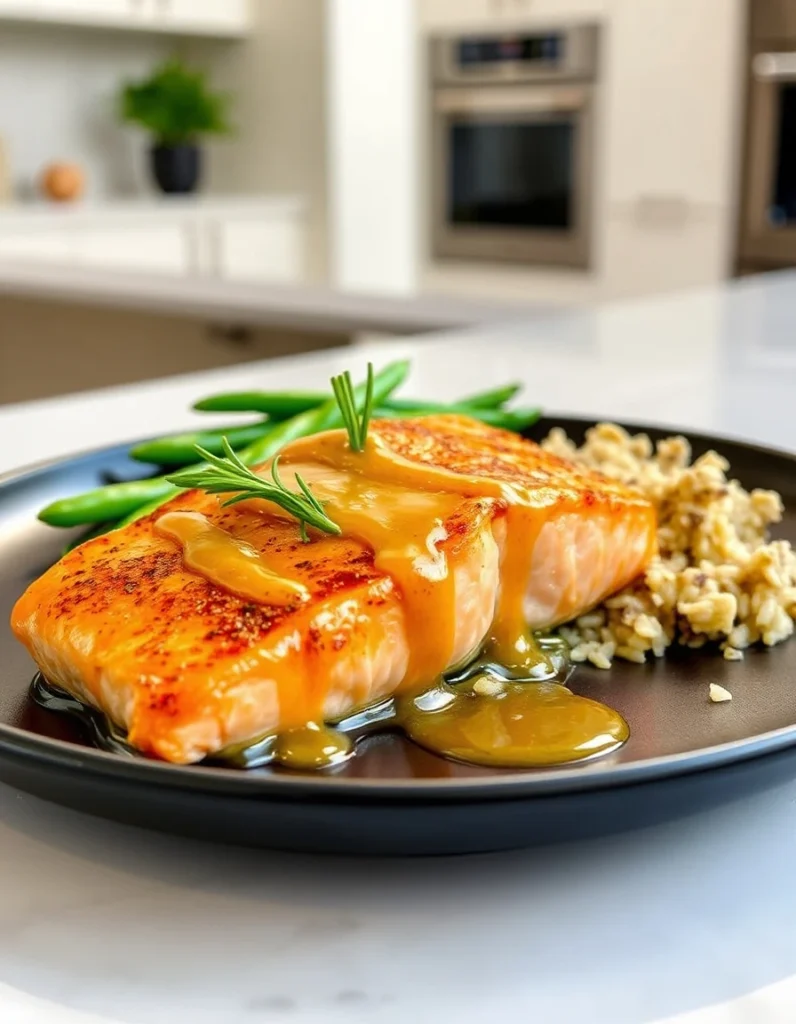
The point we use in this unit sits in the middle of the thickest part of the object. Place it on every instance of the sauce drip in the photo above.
(518, 653)
(226, 561)
(511, 725)
(313, 747)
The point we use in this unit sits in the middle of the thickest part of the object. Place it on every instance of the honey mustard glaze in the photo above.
(510, 708)
(511, 724)
(226, 561)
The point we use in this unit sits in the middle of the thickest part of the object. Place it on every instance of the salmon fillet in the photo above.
(188, 667)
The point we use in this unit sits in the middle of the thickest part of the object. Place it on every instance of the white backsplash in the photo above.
(57, 102)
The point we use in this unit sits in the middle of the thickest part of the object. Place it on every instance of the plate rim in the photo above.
(22, 744)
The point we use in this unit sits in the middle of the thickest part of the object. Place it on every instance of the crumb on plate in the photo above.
(488, 687)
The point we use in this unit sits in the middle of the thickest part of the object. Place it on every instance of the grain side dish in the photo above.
(718, 577)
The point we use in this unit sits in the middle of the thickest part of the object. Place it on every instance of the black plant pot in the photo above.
(178, 168)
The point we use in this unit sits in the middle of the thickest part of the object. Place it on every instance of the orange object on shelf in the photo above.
(63, 182)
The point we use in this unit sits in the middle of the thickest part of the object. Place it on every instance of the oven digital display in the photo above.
(502, 49)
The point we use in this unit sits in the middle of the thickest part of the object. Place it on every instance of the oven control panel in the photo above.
(523, 56)
(486, 50)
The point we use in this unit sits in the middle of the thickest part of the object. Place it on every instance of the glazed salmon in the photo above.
(470, 529)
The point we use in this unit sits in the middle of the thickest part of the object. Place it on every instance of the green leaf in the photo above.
(175, 104)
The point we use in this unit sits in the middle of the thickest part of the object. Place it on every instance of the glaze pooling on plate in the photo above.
(487, 717)
(521, 725)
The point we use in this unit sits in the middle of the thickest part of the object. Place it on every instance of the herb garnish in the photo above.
(228, 474)
(355, 423)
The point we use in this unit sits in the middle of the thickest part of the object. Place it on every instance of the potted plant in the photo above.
(176, 105)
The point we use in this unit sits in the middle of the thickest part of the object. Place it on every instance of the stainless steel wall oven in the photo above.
(513, 146)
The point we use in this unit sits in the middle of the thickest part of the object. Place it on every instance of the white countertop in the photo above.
(302, 308)
(106, 924)
(210, 297)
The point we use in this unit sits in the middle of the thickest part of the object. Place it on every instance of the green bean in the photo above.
(279, 404)
(105, 503)
(517, 420)
(179, 449)
(492, 399)
(121, 501)
(509, 419)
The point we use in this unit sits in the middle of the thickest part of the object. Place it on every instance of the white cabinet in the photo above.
(223, 18)
(35, 246)
(78, 12)
(205, 16)
(148, 248)
(236, 240)
(642, 257)
(265, 250)
(672, 83)
(84, 9)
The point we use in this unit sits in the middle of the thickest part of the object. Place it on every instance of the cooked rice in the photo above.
(718, 577)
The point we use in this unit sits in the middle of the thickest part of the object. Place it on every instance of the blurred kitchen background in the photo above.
(194, 183)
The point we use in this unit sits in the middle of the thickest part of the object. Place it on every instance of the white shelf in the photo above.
(221, 19)
(147, 207)
(258, 239)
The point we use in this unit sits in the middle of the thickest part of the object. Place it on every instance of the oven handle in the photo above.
(525, 100)
(774, 67)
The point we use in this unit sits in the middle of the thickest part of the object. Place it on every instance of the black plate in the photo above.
(393, 798)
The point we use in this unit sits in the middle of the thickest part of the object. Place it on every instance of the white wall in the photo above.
(57, 89)
(278, 79)
(373, 198)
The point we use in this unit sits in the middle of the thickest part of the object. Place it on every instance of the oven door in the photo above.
(768, 230)
(512, 173)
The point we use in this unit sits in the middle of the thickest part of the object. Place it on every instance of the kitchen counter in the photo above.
(200, 297)
(102, 924)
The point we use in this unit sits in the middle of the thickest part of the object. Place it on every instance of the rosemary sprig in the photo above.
(355, 422)
(227, 474)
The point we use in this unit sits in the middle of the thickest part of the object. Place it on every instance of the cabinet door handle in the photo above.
(774, 67)
(238, 336)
